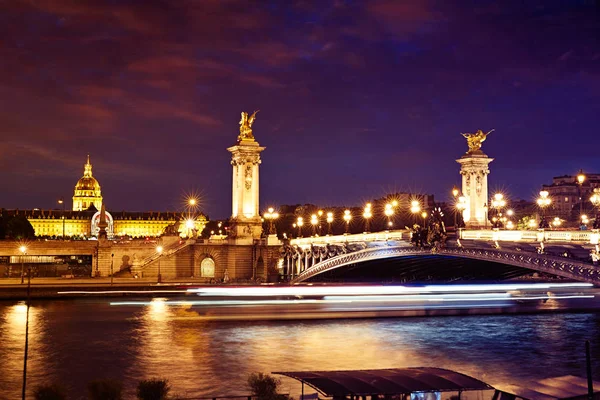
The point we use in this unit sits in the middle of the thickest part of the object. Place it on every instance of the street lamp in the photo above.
(595, 200)
(415, 208)
(299, 223)
(159, 250)
(389, 211)
(543, 201)
(580, 180)
(329, 221)
(347, 218)
(61, 201)
(23, 250)
(455, 193)
(320, 214)
(270, 216)
(367, 214)
(498, 204)
(460, 206)
(314, 221)
(556, 222)
(424, 215)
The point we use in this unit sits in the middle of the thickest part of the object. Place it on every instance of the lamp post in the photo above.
(347, 218)
(415, 208)
(320, 214)
(112, 257)
(23, 250)
(543, 201)
(389, 211)
(329, 221)
(455, 193)
(367, 214)
(580, 180)
(270, 216)
(299, 223)
(498, 204)
(595, 200)
(61, 201)
(314, 221)
(424, 215)
(460, 206)
(159, 250)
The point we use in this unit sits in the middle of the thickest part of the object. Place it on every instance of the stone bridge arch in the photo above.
(560, 266)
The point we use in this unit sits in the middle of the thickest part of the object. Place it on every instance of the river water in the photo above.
(76, 341)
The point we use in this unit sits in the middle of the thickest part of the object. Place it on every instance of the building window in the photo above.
(207, 268)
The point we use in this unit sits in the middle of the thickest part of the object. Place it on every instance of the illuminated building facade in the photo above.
(82, 221)
(565, 192)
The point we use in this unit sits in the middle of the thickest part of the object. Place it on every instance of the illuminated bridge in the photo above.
(389, 257)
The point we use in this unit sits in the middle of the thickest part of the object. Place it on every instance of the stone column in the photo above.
(474, 170)
(246, 223)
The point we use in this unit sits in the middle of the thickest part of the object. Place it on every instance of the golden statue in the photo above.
(474, 140)
(246, 126)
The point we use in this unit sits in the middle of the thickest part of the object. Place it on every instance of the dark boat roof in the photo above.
(387, 381)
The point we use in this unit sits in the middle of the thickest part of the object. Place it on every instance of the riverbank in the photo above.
(55, 288)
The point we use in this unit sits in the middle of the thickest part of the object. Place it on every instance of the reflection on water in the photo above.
(74, 342)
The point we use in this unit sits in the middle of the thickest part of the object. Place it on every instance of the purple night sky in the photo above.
(357, 99)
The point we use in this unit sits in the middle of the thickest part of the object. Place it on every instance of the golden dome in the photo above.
(87, 190)
(87, 183)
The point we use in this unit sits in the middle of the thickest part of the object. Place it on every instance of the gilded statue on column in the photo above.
(246, 126)
(474, 140)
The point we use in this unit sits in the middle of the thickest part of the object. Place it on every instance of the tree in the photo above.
(49, 392)
(153, 389)
(264, 386)
(18, 228)
(106, 389)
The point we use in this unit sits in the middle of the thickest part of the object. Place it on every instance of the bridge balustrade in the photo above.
(531, 236)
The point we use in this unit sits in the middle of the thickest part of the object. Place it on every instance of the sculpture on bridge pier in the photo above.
(474, 140)
(474, 170)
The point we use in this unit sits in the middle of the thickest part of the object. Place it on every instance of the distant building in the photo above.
(566, 192)
(83, 220)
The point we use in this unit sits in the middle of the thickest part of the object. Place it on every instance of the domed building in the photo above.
(83, 220)
(87, 190)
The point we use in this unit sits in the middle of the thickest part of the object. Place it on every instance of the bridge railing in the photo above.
(532, 236)
(360, 237)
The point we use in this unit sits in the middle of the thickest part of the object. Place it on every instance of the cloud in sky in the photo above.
(156, 88)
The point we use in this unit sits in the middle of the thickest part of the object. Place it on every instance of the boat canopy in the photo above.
(396, 381)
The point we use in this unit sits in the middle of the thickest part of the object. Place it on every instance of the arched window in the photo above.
(207, 268)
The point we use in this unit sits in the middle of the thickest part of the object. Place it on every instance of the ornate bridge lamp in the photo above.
(580, 180)
(461, 205)
(389, 211)
(595, 200)
(367, 214)
(415, 208)
(320, 214)
(271, 216)
(329, 221)
(347, 218)
(543, 201)
(455, 193)
(314, 221)
(498, 203)
(299, 224)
